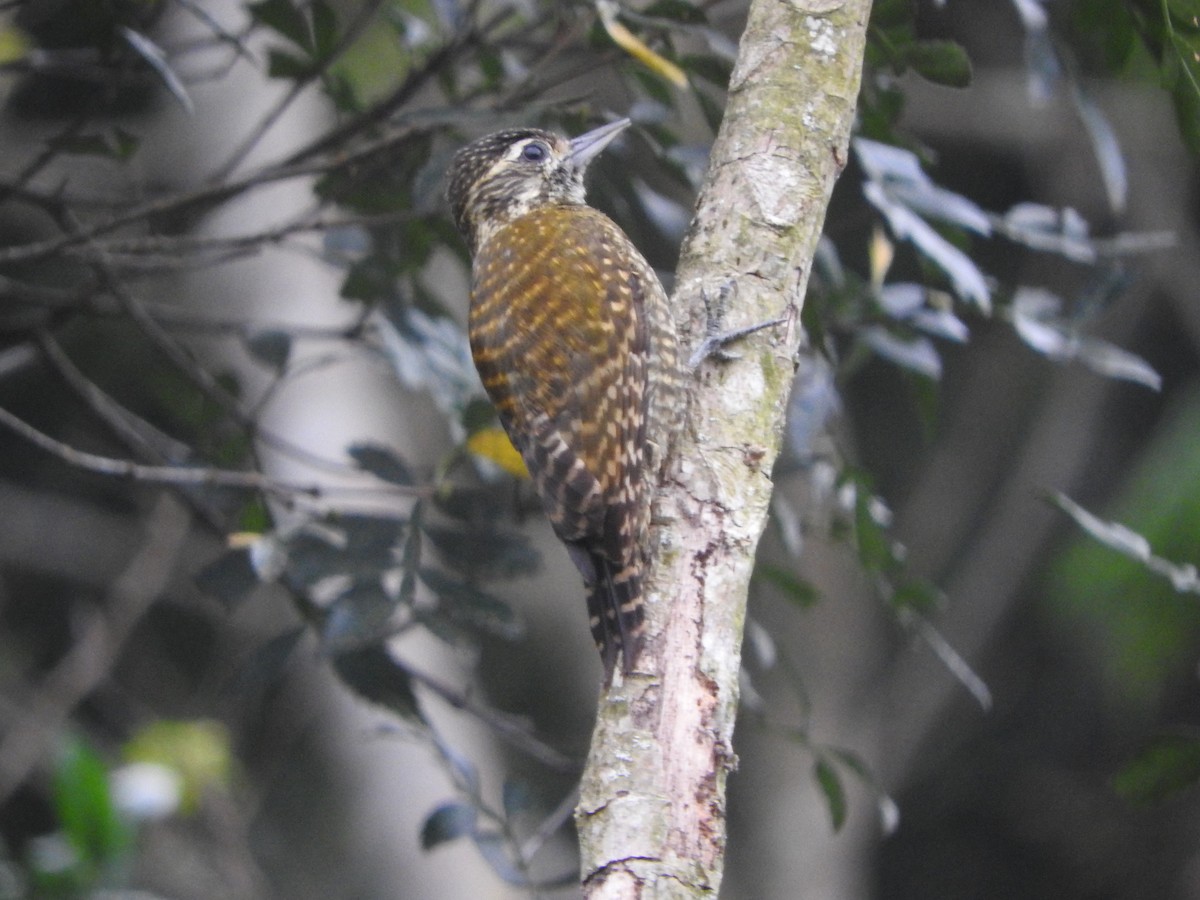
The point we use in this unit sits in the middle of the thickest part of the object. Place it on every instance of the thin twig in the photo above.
(134, 431)
(172, 247)
(365, 14)
(549, 826)
(90, 301)
(209, 197)
(43, 159)
(191, 476)
(224, 36)
(148, 442)
(309, 160)
(513, 730)
(17, 358)
(417, 78)
(176, 353)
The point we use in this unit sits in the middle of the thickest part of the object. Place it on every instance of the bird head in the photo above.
(506, 175)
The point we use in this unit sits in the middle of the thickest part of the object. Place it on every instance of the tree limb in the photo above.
(651, 817)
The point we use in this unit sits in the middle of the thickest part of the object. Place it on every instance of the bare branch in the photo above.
(207, 197)
(134, 431)
(186, 476)
(20, 184)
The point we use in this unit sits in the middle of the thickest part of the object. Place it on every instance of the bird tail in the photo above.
(617, 614)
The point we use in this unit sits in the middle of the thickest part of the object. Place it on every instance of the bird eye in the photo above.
(534, 152)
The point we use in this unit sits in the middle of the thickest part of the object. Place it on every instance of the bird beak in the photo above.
(587, 146)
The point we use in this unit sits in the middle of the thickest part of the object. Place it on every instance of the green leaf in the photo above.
(919, 596)
(230, 577)
(15, 44)
(156, 58)
(446, 823)
(891, 13)
(382, 462)
(265, 666)
(324, 29)
(343, 92)
(468, 605)
(891, 32)
(285, 18)
(84, 805)
(711, 68)
(475, 503)
(373, 538)
(880, 110)
(831, 786)
(874, 547)
(1170, 764)
(651, 84)
(360, 616)
(313, 556)
(383, 183)
(411, 556)
(485, 551)
(83, 145)
(516, 797)
(1187, 114)
(361, 546)
(369, 279)
(117, 144)
(496, 851)
(791, 585)
(271, 347)
(464, 772)
(199, 751)
(676, 11)
(53, 871)
(1184, 577)
(125, 143)
(942, 62)
(855, 763)
(713, 110)
(372, 674)
(281, 64)
(1171, 33)
(254, 516)
(491, 68)
(1185, 13)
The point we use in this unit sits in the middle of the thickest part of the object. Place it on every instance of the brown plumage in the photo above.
(574, 341)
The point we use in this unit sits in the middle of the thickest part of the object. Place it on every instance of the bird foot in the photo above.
(713, 346)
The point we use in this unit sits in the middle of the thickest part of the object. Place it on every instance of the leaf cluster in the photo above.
(1161, 39)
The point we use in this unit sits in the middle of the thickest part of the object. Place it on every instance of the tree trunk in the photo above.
(651, 814)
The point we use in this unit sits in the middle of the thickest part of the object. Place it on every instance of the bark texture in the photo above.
(651, 815)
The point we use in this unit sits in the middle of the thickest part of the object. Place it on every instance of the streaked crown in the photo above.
(505, 175)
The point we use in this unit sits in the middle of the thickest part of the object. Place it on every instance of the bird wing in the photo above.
(559, 335)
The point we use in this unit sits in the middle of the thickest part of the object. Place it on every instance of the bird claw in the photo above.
(713, 346)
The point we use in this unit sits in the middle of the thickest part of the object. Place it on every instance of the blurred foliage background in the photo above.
(278, 616)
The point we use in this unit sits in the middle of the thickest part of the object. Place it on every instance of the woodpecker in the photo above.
(575, 344)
